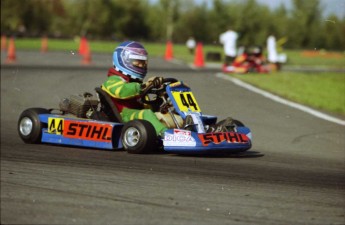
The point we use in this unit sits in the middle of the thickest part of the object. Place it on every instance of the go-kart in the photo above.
(86, 121)
(250, 61)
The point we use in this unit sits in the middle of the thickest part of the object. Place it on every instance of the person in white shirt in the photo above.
(229, 39)
(272, 54)
(191, 44)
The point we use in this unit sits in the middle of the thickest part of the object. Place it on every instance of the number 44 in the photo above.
(188, 101)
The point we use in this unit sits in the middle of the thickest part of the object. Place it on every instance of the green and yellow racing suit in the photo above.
(126, 95)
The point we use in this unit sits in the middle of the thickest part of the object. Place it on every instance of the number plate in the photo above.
(185, 101)
(55, 125)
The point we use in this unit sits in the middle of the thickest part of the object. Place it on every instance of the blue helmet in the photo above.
(130, 58)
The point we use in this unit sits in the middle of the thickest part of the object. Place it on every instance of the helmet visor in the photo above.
(131, 61)
(137, 61)
(142, 64)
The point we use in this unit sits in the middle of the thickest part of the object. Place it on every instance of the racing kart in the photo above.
(87, 121)
(250, 61)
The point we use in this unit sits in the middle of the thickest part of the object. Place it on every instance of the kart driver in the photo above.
(125, 84)
(251, 60)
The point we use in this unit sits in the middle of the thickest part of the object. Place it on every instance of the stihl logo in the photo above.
(87, 130)
(217, 138)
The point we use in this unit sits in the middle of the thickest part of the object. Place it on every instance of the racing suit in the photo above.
(126, 95)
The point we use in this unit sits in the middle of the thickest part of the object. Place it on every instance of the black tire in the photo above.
(31, 135)
(139, 137)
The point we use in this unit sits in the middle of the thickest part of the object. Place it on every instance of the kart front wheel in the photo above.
(29, 125)
(138, 137)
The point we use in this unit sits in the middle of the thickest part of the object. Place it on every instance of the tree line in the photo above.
(303, 26)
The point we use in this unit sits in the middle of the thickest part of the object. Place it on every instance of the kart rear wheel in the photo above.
(29, 125)
(139, 137)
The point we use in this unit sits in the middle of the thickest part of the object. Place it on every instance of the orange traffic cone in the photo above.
(83, 45)
(169, 51)
(3, 43)
(87, 55)
(44, 44)
(11, 51)
(199, 56)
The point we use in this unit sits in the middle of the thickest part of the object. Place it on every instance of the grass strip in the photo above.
(323, 91)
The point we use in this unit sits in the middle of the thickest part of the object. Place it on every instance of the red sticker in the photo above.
(216, 138)
(87, 130)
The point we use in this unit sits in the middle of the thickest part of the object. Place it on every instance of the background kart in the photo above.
(88, 122)
(250, 60)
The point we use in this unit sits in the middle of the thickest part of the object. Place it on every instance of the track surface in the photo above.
(294, 174)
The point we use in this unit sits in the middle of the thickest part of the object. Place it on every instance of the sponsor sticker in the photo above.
(87, 130)
(217, 138)
(186, 101)
(55, 125)
(179, 138)
(79, 129)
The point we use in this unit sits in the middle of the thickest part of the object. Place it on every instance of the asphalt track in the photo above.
(294, 174)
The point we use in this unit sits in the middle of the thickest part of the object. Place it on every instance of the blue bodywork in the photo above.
(112, 142)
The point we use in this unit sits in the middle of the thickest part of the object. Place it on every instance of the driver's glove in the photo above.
(154, 82)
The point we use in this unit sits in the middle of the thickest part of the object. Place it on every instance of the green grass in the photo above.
(53, 44)
(323, 59)
(325, 91)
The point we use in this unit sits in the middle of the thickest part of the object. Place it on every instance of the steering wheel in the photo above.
(151, 90)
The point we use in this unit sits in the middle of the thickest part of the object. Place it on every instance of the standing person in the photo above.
(191, 43)
(125, 84)
(272, 54)
(229, 39)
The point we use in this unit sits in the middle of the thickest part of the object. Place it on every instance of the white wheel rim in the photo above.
(131, 137)
(25, 126)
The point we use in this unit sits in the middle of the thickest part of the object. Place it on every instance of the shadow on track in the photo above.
(246, 154)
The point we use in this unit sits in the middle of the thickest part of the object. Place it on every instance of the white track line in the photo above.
(281, 100)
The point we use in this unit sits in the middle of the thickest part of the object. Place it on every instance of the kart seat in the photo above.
(108, 106)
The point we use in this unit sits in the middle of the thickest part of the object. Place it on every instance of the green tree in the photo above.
(25, 17)
(221, 17)
(304, 25)
(193, 22)
(132, 23)
(170, 9)
(58, 19)
(89, 17)
(156, 23)
(254, 24)
(333, 35)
